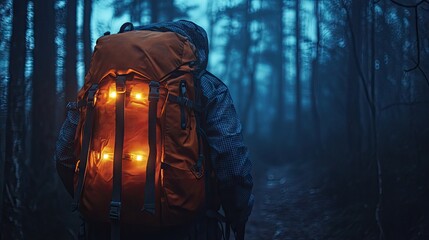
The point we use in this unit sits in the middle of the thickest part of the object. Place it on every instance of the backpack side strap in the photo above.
(149, 191)
(86, 140)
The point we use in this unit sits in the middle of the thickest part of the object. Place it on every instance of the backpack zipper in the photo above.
(182, 107)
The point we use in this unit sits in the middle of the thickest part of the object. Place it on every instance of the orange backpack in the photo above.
(141, 158)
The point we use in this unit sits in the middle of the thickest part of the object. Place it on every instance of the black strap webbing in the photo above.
(86, 141)
(126, 27)
(115, 204)
(149, 191)
(198, 91)
(182, 107)
(184, 101)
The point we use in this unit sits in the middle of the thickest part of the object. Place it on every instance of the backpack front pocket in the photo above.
(183, 190)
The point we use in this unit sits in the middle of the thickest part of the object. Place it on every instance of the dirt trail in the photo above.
(288, 205)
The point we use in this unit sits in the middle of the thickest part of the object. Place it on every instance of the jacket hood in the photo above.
(196, 35)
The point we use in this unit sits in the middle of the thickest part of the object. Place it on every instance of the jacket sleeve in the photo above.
(227, 150)
(64, 150)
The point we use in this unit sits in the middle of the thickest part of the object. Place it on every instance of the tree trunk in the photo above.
(87, 44)
(43, 133)
(373, 106)
(168, 11)
(11, 197)
(353, 88)
(298, 69)
(280, 65)
(135, 11)
(245, 49)
(227, 49)
(154, 11)
(314, 81)
(71, 53)
(253, 94)
(211, 15)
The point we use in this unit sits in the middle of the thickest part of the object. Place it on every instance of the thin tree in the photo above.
(43, 123)
(353, 88)
(154, 11)
(248, 66)
(11, 218)
(245, 49)
(212, 20)
(229, 45)
(298, 67)
(370, 96)
(314, 77)
(134, 8)
(373, 106)
(87, 44)
(168, 11)
(280, 62)
(70, 82)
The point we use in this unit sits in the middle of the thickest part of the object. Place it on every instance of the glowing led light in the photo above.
(112, 94)
(139, 96)
(139, 158)
(105, 156)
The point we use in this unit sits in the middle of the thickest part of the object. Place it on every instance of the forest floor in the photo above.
(289, 204)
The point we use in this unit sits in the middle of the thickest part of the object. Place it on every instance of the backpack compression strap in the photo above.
(149, 191)
(86, 141)
(115, 204)
(184, 101)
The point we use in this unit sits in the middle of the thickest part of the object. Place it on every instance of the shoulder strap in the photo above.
(115, 204)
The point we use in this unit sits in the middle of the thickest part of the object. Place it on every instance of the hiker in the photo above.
(153, 147)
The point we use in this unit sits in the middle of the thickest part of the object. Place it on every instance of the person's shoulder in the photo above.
(212, 85)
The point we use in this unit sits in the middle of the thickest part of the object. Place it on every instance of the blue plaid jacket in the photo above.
(222, 126)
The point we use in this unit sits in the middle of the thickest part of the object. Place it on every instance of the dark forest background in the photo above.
(333, 96)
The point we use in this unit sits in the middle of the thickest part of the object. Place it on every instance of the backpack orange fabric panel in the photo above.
(142, 56)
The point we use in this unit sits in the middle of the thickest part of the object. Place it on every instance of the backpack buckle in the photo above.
(197, 168)
(153, 90)
(120, 84)
(115, 210)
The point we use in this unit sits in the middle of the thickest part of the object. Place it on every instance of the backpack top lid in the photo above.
(150, 54)
(194, 33)
(112, 52)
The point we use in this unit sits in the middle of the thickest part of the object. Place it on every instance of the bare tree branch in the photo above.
(424, 74)
(419, 67)
(417, 64)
